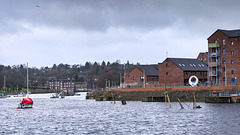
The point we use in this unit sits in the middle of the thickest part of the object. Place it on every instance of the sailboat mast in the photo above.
(27, 80)
(5, 84)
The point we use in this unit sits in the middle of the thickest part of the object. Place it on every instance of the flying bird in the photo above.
(37, 6)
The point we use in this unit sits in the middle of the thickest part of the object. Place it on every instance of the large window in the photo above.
(223, 41)
(232, 72)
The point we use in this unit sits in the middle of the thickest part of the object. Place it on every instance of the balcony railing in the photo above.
(214, 54)
(213, 45)
(214, 73)
(213, 64)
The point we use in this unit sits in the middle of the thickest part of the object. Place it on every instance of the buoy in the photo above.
(17, 107)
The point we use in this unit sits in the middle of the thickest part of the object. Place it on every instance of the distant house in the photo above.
(203, 56)
(137, 75)
(61, 84)
(177, 71)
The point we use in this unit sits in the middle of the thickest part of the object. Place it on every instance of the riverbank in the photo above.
(185, 94)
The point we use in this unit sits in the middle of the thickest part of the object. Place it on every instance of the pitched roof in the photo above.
(189, 64)
(202, 53)
(150, 70)
(231, 33)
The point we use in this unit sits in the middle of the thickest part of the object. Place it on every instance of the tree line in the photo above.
(90, 72)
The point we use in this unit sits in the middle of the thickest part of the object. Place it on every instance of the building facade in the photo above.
(203, 56)
(139, 75)
(224, 57)
(177, 71)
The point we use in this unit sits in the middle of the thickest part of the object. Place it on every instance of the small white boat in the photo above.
(77, 94)
(3, 95)
(21, 94)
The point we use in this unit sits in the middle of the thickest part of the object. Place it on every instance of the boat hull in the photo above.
(25, 106)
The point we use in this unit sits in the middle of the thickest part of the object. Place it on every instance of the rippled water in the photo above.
(75, 115)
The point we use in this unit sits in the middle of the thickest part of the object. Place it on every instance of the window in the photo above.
(231, 52)
(166, 65)
(186, 74)
(223, 79)
(232, 72)
(224, 61)
(224, 70)
(223, 51)
(232, 43)
(133, 78)
(232, 62)
(223, 41)
(142, 78)
(215, 41)
(233, 80)
(166, 73)
(152, 78)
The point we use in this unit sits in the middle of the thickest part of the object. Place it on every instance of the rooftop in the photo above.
(189, 64)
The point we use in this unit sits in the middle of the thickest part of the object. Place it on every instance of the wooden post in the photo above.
(194, 104)
(180, 103)
(113, 98)
(168, 99)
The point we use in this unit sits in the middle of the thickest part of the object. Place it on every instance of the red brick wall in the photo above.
(219, 36)
(134, 73)
(203, 58)
(175, 74)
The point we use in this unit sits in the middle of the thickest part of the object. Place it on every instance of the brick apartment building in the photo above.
(224, 57)
(177, 71)
(67, 84)
(203, 56)
(134, 75)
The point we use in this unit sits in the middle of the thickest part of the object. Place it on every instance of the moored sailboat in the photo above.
(26, 102)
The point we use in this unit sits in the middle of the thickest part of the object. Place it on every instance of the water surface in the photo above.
(75, 115)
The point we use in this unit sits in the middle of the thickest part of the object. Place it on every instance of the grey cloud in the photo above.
(100, 15)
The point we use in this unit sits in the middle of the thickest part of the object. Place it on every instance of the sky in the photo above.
(44, 33)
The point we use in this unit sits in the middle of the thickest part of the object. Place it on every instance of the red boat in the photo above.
(26, 103)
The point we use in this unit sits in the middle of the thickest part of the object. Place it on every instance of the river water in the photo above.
(75, 115)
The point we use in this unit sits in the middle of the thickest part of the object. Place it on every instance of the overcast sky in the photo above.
(47, 32)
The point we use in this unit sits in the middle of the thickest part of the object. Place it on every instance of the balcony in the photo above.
(213, 45)
(214, 73)
(214, 54)
(213, 64)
